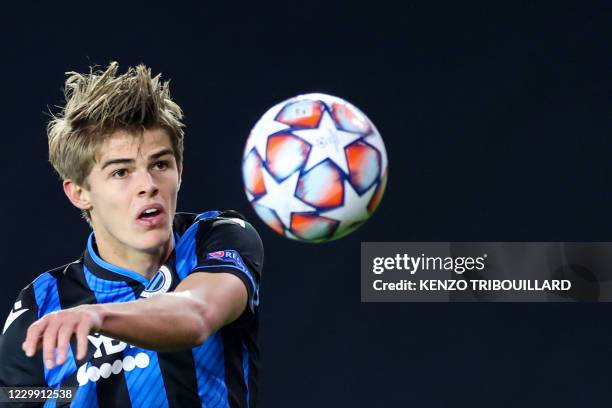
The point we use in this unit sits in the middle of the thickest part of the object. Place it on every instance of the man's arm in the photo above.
(201, 304)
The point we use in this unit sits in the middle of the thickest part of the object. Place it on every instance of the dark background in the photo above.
(497, 122)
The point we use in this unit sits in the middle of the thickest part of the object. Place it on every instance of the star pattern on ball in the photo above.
(264, 128)
(356, 211)
(376, 140)
(281, 198)
(328, 142)
(288, 234)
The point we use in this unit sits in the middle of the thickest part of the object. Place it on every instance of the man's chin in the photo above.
(154, 240)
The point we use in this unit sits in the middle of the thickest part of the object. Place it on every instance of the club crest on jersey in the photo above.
(160, 283)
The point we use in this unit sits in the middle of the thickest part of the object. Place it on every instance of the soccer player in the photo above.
(161, 310)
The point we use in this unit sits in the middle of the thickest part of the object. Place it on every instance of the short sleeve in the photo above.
(17, 369)
(229, 244)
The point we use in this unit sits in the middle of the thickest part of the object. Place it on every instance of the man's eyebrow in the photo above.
(154, 156)
(116, 161)
(159, 154)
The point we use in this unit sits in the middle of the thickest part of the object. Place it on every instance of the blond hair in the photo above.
(101, 103)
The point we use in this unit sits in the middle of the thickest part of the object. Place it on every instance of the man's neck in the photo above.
(145, 263)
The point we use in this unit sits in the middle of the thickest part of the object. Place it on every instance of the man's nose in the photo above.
(147, 186)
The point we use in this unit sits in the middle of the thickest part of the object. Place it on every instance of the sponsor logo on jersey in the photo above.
(106, 346)
(13, 315)
(88, 372)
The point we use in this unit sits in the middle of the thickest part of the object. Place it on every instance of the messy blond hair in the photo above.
(101, 103)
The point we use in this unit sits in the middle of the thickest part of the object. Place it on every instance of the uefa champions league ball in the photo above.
(314, 168)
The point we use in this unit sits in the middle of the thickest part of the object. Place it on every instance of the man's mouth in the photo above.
(149, 213)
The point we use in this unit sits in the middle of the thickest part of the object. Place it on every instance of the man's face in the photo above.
(132, 190)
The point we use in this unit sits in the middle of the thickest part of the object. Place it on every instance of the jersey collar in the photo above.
(106, 270)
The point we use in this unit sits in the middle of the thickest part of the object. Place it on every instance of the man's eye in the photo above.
(119, 173)
(161, 165)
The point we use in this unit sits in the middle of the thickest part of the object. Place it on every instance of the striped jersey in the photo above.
(221, 372)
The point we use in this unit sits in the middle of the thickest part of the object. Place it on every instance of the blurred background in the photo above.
(497, 122)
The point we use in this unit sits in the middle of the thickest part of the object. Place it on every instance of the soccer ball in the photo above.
(314, 168)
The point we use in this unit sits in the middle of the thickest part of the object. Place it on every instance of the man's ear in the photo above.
(78, 196)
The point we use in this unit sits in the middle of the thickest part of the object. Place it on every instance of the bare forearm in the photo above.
(171, 321)
(201, 304)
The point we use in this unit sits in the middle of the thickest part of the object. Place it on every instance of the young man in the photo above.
(162, 308)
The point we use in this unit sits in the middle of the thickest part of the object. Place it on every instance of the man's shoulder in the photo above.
(60, 272)
(225, 225)
(208, 220)
(219, 230)
(40, 286)
(229, 231)
(183, 221)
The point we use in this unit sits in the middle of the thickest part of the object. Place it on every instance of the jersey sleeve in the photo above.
(229, 244)
(17, 369)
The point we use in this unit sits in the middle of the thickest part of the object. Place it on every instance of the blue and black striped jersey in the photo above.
(221, 372)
